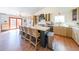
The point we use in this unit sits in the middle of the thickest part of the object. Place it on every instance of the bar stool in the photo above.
(20, 28)
(28, 31)
(23, 32)
(35, 37)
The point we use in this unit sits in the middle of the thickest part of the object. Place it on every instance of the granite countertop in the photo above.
(75, 28)
(68, 26)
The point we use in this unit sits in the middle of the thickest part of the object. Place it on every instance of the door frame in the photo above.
(16, 21)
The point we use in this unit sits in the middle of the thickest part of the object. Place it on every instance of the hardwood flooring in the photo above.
(12, 41)
(61, 43)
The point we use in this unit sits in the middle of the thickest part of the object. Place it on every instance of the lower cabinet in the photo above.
(75, 35)
(64, 31)
(67, 32)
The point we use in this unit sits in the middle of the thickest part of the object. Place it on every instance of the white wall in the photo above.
(26, 20)
(3, 18)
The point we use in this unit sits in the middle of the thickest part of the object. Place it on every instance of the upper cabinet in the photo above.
(78, 14)
(35, 20)
(44, 16)
(47, 17)
(38, 18)
(75, 14)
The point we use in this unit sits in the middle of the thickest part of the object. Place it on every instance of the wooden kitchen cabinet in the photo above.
(69, 32)
(34, 20)
(64, 31)
(56, 29)
(59, 30)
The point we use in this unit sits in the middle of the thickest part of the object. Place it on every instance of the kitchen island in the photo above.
(42, 34)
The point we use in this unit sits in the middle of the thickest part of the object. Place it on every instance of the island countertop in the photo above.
(38, 27)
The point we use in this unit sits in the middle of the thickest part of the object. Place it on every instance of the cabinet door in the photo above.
(60, 30)
(69, 32)
(76, 35)
(56, 30)
(34, 20)
(63, 31)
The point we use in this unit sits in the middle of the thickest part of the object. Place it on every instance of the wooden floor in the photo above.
(11, 41)
(61, 43)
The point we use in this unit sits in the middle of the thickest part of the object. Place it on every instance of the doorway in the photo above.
(14, 23)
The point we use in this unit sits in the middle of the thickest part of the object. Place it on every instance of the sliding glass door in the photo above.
(18, 22)
(12, 23)
(15, 23)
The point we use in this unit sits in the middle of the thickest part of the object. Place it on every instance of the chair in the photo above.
(35, 37)
(28, 33)
(20, 28)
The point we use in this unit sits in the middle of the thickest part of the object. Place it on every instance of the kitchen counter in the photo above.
(68, 31)
(43, 33)
(41, 28)
(38, 27)
(75, 27)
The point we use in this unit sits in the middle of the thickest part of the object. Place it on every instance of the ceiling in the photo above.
(29, 10)
(24, 11)
(19, 10)
(55, 10)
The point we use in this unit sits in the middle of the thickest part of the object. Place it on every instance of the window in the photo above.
(59, 19)
(29, 22)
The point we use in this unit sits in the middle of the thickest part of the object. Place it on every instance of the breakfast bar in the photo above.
(36, 34)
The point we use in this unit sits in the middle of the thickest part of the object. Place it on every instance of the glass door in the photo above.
(18, 22)
(12, 23)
